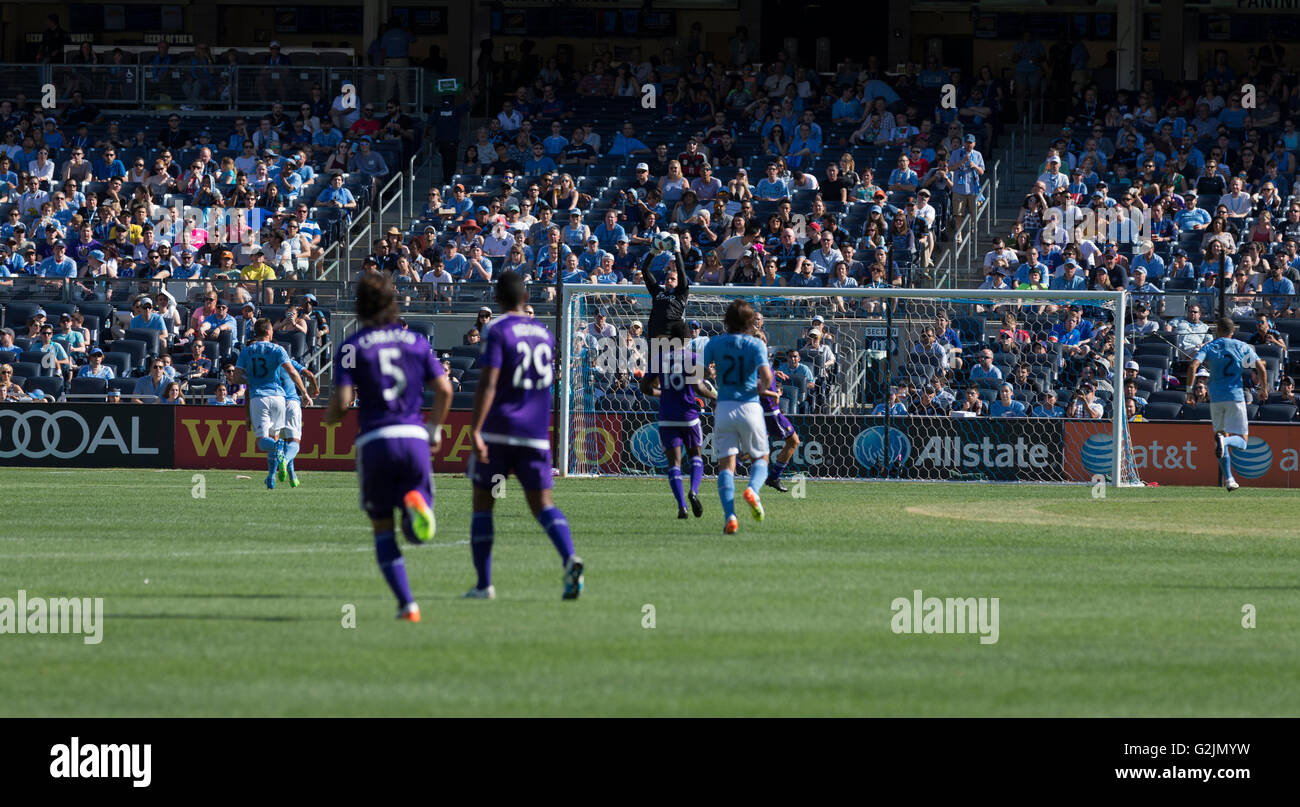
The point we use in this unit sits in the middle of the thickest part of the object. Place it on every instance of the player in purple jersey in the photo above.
(679, 414)
(387, 367)
(510, 427)
(778, 425)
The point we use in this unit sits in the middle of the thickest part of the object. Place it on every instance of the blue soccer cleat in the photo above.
(270, 481)
(573, 579)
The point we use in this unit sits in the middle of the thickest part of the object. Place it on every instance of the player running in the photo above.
(1227, 359)
(776, 421)
(291, 435)
(679, 415)
(742, 370)
(512, 415)
(259, 366)
(388, 367)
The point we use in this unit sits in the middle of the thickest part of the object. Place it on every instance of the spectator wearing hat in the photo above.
(966, 166)
(1070, 280)
(95, 367)
(149, 318)
(222, 327)
(575, 233)
(1191, 218)
(370, 164)
(455, 263)
(312, 313)
(46, 346)
(72, 339)
(1147, 259)
(337, 196)
(59, 265)
(1142, 324)
(1005, 405)
(1146, 292)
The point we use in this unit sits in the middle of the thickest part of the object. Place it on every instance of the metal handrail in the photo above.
(381, 206)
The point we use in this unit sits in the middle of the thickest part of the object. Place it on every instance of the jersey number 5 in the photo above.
(538, 357)
(387, 356)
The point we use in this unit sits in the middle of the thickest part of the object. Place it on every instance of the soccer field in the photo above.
(234, 603)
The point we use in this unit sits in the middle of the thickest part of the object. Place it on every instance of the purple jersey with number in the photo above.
(388, 367)
(678, 404)
(523, 349)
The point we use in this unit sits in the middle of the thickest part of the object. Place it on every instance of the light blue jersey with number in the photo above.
(1227, 359)
(286, 383)
(736, 359)
(261, 362)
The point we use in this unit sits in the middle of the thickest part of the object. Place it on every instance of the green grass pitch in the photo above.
(232, 604)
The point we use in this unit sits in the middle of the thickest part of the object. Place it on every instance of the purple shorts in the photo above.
(531, 466)
(681, 436)
(778, 425)
(389, 467)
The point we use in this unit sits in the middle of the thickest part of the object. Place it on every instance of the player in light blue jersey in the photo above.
(291, 435)
(740, 362)
(1227, 359)
(259, 365)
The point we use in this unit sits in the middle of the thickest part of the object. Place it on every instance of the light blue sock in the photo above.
(757, 475)
(1235, 441)
(290, 451)
(727, 493)
(271, 447)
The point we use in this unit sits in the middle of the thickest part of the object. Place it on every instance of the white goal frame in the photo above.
(570, 294)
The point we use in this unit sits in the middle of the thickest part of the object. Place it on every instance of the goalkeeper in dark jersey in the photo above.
(668, 300)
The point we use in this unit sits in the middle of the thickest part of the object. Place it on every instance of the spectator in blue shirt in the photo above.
(1278, 291)
(59, 264)
(1005, 405)
(146, 317)
(625, 144)
(108, 166)
(540, 163)
(903, 178)
(1148, 259)
(337, 196)
(772, 188)
(96, 368)
(1047, 406)
(1191, 218)
(985, 368)
(1071, 280)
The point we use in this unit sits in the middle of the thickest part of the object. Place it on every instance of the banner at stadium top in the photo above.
(834, 447)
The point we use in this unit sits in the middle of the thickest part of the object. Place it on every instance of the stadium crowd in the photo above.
(769, 174)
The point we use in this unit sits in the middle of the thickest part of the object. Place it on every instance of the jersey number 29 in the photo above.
(537, 358)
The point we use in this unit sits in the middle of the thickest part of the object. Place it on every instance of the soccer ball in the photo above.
(665, 242)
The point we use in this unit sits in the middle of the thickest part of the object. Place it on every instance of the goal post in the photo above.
(871, 350)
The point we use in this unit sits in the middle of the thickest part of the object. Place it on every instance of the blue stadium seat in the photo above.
(52, 386)
(88, 386)
(1276, 413)
(1162, 410)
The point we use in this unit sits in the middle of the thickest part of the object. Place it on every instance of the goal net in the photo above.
(916, 384)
